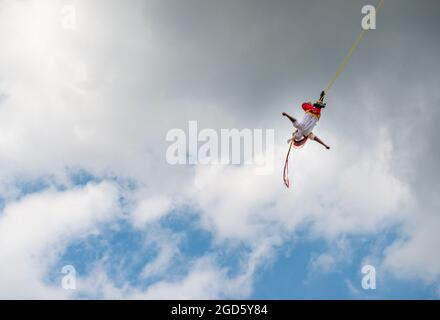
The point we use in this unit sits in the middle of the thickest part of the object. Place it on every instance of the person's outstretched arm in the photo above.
(315, 138)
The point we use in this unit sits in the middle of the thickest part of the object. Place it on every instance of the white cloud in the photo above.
(98, 285)
(160, 264)
(353, 289)
(167, 246)
(417, 256)
(336, 192)
(205, 281)
(324, 263)
(358, 195)
(151, 209)
(36, 228)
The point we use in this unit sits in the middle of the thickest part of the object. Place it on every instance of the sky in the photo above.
(90, 89)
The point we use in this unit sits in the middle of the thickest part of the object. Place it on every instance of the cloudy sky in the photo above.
(89, 90)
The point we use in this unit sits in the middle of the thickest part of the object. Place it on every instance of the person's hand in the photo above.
(284, 114)
(327, 147)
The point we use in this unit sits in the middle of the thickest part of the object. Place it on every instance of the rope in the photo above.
(286, 167)
(350, 53)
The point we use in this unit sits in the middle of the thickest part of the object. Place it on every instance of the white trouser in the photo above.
(298, 135)
(304, 127)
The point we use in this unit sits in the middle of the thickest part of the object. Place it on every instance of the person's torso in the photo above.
(308, 123)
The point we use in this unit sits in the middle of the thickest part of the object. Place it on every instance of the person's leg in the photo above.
(292, 119)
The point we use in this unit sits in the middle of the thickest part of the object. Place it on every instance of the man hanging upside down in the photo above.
(304, 128)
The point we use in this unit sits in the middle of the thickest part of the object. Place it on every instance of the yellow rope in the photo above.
(349, 54)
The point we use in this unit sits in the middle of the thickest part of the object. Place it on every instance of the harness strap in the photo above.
(296, 145)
